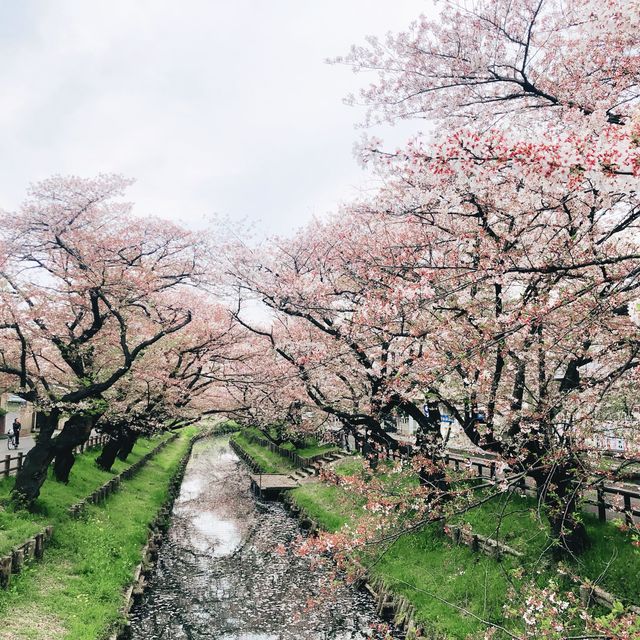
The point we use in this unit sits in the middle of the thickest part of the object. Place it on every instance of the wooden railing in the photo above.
(297, 460)
(8, 468)
(92, 443)
(628, 504)
(13, 463)
(596, 500)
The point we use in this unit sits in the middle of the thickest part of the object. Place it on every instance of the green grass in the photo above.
(15, 530)
(309, 449)
(349, 466)
(75, 592)
(316, 450)
(254, 432)
(56, 497)
(428, 569)
(449, 584)
(420, 564)
(395, 483)
(511, 519)
(329, 505)
(611, 561)
(268, 461)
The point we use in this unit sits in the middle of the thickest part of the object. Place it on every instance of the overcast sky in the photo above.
(214, 106)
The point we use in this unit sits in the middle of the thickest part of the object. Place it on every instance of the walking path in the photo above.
(27, 442)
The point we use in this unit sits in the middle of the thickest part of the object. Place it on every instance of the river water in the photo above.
(221, 576)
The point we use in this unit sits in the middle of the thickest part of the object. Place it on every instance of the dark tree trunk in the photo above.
(128, 441)
(62, 465)
(110, 451)
(560, 493)
(76, 431)
(34, 467)
(430, 444)
(562, 489)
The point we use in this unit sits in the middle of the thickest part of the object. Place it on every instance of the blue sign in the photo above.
(446, 419)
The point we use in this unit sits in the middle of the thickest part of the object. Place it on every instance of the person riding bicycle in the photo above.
(16, 426)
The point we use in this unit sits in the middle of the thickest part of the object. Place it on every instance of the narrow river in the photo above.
(219, 575)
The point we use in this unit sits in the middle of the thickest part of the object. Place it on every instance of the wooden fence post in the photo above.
(17, 559)
(20, 456)
(602, 505)
(585, 595)
(5, 572)
(39, 548)
(7, 465)
(628, 513)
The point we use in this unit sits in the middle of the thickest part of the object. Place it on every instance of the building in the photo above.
(12, 407)
(450, 429)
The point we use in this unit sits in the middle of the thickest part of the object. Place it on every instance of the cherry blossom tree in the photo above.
(176, 381)
(88, 288)
(493, 272)
(543, 64)
(340, 321)
(527, 199)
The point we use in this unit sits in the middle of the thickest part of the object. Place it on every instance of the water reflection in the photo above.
(219, 576)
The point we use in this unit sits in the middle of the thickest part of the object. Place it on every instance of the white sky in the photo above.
(215, 107)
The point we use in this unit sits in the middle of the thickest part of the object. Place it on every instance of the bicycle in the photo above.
(11, 441)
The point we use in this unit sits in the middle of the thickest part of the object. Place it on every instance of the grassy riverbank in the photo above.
(611, 561)
(56, 497)
(75, 592)
(271, 461)
(268, 461)
(454, 589)
(426, 567)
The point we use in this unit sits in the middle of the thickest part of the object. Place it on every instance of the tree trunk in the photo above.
(110, 451)
(560, 494)
(33, 473)
(62, 465)
(76, 431)
(433, 474)
(128, 442)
